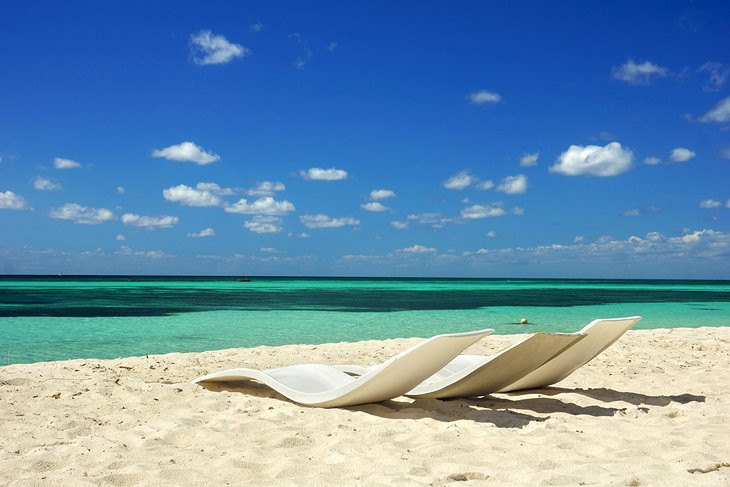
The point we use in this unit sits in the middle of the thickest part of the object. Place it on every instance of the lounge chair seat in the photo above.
(479, 375)
(599, 335)
(325, 386)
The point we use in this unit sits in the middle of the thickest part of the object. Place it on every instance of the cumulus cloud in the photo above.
(12, 201)
(381, 194)
(594, 160)
(319, 174)
(206, 232)
(483, 97)
(374, 206)
(710, 204)
(150, 222)
(148, 254)
(459, 180)
(436, 220)
(481, 211)
(681, 154)
(120, 190)
(323, 221)
(638, 74)
(257, 27)
(185, 195)
(513, 184)
(208, 48)
(82, 214)
(718, 74)
(262, 206)
(719, 114)
(485, 185)
(528, 160)
(264, 224)
(418, 249)
(61, 163)
(491, 234)
(399, 225)
(266, 188)
(632, 212)
(652, 161)
(214, 188)
(43, 184)
(186, 152)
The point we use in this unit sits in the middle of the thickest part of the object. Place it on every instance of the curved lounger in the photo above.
(599, 335)
(325, 386)
(479, 375)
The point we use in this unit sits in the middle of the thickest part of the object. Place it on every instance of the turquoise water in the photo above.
(57, 318)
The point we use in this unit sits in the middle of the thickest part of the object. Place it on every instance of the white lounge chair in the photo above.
(599, 335)
(479, 375)
(325, 386)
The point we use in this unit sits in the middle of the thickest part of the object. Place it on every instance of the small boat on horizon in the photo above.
(243, 279)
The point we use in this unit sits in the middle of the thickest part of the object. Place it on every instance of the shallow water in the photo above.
(57, 318)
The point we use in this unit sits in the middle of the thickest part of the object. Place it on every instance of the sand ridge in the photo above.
(651, 410)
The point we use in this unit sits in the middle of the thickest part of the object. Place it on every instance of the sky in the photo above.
(455, 139)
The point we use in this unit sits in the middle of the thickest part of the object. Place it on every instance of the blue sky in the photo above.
(525, 139)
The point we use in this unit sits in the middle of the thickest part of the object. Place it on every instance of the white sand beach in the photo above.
(653, 409)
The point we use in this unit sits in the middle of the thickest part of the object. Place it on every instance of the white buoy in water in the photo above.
(523, 321)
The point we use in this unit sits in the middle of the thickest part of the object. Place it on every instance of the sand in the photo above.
(653, 409)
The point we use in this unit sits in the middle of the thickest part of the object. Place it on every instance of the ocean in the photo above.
(44, 318)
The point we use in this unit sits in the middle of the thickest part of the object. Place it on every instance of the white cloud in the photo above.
(206, 232)
(11, 201)
(720, 113)
(208, 48)
(528, 160)
(481, 211)
(399, 225)
(306, 56)
(418, 249)
(436, 220)
(257, 27)
(185, 195)
(262, 206)
(632, 212)
(332, 46)
(264, 224)
(319, 174)
(459, 180)
(638, 74)
(710, 204)
(491, 234)
(121, 237)
(149, 222)
(374, 206)
(680, 154)
(485, 185)
(214, 188)
(518, 211)
(324, 221)
(513, 184)
(82, 214)
(483, 97)
(43, 184)
(148, 254)
(120, 190)
(594, 160)
(61, 163)
(718, 73)
(266, 188)
(186, 152)
(652, 161)
(381, 194)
